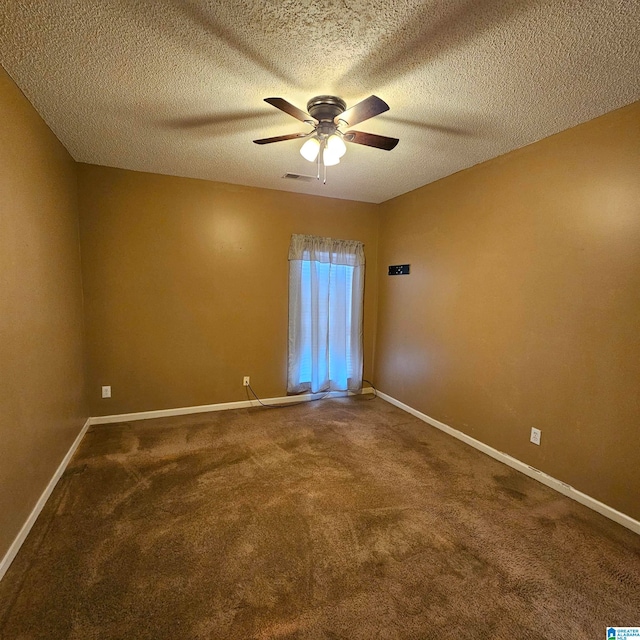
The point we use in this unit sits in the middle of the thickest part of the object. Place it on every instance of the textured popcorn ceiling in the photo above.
(176, 86)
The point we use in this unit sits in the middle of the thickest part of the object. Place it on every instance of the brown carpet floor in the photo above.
(339, 519)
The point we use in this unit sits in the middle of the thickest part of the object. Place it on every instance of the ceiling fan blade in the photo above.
(287, 107)
(289, 136)
(368, 108)
(371, 140)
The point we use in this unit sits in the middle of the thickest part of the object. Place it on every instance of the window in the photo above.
(326, 287)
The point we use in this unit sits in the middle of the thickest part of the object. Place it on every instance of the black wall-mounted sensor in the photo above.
(399, 270)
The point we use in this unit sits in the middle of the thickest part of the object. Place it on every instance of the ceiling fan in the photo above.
(327, 114)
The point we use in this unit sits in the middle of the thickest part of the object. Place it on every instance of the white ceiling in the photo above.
(177, 86)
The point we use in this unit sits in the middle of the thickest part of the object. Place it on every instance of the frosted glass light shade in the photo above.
(309, 150)
(336, 146)
(329, 159)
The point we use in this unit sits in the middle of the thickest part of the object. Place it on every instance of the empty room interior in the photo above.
(319, 320)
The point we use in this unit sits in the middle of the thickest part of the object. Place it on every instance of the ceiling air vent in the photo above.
(297, 176)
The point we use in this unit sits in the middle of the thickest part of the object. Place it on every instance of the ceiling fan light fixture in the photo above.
(336, 146)
(329, 159)
(309, 150)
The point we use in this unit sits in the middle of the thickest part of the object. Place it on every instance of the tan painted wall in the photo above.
(41, 368)
(523, 304)
(186, 285)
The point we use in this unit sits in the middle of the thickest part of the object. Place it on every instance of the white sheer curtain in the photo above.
(326, 292)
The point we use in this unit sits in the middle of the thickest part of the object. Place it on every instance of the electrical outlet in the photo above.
(245, 381)
(106, 391)
(536, 434)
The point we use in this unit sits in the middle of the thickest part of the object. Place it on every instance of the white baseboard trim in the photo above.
(5, 563)
(540, 476)
(221, 406)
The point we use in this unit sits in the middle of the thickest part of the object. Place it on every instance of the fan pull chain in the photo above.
(323, 145)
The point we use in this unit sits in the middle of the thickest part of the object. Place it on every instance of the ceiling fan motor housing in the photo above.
(325, 108)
